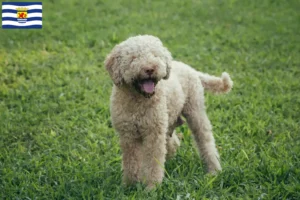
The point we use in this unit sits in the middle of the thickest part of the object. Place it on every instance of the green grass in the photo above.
(56, 139)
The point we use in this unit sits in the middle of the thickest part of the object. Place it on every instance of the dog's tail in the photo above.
(215, 84)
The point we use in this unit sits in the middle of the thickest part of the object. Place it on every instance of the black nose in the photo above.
(149, 71)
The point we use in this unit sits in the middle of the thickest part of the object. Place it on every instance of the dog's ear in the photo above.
(168, 59)
(111, 64)
(168, 71)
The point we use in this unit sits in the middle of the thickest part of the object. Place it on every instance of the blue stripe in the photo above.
(28, 11)
(16, 19)
(21, 3)
(19, 27)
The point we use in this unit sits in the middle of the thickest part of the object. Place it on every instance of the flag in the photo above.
(21, 15)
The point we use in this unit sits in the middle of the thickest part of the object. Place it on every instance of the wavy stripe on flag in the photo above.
(28, 11)
(23, 27)
(22, 3)
(13, 7)
(14, 15)
(16, 19)
(37, 22)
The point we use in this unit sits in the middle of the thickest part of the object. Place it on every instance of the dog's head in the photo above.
(139, 63)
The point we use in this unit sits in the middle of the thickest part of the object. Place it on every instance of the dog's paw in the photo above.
(214, 169)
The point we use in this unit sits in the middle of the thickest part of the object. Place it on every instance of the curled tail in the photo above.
(215, 84)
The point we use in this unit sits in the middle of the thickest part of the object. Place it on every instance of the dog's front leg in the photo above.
(154, 153)
(132, 159)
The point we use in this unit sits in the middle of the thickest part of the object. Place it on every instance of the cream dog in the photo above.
(151, 92)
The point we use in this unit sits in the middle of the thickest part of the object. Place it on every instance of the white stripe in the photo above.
(12, 7)
(14, 15)
(37, 22)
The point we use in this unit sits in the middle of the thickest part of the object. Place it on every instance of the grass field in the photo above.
(56, 139)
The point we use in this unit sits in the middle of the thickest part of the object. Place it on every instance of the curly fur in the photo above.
(146, 118)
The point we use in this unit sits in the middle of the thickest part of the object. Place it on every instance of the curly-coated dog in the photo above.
(150, 94)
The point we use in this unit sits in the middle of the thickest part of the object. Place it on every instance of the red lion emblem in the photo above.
(22, 15)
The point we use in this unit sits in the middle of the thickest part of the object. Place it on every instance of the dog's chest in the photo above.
(138, 117)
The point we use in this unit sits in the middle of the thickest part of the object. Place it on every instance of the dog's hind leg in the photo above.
(194, 112)
(173, 143)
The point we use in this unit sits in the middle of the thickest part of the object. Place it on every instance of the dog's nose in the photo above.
(149, 71)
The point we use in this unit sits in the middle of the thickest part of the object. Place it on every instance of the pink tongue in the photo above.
(148, 86)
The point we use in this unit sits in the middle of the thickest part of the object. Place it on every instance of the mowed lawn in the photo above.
(56, 138)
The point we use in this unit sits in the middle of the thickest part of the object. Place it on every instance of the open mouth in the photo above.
(146, 86)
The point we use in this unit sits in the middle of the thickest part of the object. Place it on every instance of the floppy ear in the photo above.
(111, 64)
(168, 70)
(169, 59)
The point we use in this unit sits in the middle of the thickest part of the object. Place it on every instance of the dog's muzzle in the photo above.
(146, 86)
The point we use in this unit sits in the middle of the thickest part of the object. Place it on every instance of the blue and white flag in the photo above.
(21, 15)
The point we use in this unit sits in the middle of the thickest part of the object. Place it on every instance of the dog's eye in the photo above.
(132, 59)
(155, 54)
